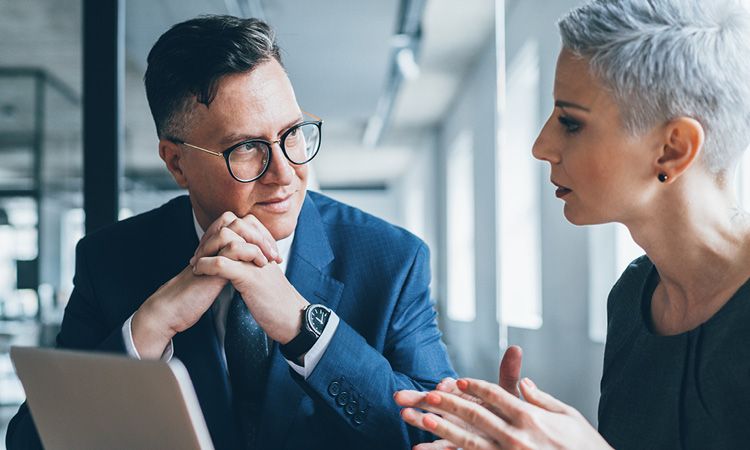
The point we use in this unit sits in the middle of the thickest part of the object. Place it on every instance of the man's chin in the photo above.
(280, 226)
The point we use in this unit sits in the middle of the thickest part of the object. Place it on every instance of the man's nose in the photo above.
(280, 171)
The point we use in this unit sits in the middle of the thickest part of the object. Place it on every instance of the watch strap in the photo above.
(303, 342)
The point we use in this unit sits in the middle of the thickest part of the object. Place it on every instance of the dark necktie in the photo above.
(248, 358)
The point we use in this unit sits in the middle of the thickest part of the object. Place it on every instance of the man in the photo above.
(299, 356)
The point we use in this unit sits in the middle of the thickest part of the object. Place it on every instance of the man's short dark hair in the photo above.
(191, 57)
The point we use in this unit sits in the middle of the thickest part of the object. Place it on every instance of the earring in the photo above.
(663, 177)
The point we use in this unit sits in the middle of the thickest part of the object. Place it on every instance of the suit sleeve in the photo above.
(357, 382)
(84, 327)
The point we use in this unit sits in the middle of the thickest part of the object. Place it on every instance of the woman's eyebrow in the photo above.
(566, 104)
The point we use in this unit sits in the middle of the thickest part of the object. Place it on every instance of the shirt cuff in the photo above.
(127, 336)
(318, 349)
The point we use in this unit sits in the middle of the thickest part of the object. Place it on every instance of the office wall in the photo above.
(559, 356)
(474, 345)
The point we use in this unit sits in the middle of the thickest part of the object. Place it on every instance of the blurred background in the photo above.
(430, 110)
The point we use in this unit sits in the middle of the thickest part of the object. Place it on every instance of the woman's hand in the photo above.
(509, 374)
(502, 421)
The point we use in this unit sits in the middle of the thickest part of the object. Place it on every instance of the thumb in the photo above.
(539, 398)
(510, 369)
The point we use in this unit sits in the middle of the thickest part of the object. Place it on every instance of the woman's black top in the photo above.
(688, 391)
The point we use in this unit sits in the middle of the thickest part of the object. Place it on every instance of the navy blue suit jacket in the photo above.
(373, 275)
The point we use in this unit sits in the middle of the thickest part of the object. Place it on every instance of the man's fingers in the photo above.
(223, 220)
(510, 369)
(446, 430)
(221, 266)
(539, 398)
(250, 229)
(214, 243)
(242, 251)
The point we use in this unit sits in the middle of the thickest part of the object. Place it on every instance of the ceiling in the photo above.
(337, 55)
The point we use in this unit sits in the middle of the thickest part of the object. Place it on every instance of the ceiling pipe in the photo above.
(404, 52)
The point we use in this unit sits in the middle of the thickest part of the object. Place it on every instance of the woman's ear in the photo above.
(171, 154)
(683, 143)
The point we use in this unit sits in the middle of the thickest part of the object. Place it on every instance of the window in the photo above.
(460, 229)
(520, 301)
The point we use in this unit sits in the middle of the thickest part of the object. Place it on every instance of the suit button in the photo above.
(343, 398)
(351, 408)
(359, 418)
(334, 388)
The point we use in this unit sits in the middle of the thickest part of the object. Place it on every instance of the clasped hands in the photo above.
(477, 415)
(236, 250)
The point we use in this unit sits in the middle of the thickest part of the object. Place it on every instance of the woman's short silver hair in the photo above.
(664, 59)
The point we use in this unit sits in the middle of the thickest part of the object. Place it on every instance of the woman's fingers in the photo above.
(510, 369)
(476, 416)
(536, 397)
(409, 398)
(442, 444)
(495, 398)
(449, 385)
(446, 430)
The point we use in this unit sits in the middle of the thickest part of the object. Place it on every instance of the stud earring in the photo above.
(663, 177)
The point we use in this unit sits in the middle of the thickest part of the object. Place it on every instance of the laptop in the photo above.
(82, 400)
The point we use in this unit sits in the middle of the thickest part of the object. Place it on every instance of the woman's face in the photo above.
(602, 173)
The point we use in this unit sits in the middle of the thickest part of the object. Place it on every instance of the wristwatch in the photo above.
(314, 320)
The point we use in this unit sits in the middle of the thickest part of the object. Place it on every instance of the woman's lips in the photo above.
(562, 192)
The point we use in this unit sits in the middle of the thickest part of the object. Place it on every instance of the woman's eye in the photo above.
(570, 125)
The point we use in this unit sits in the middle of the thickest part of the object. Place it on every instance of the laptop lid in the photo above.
(93, 401)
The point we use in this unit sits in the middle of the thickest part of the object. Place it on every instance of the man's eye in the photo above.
(248, 148)
(570, 125)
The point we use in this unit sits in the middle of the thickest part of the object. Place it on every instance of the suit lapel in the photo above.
(311, 253)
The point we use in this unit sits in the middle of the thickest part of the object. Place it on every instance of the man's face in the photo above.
(259, 104)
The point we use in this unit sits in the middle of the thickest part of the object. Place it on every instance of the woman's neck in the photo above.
(700, 245)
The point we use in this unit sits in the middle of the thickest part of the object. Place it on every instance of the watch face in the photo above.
(317, 318)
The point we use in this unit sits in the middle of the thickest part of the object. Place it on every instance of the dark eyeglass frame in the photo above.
(318, 122)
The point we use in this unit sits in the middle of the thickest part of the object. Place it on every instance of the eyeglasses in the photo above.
(249, 160)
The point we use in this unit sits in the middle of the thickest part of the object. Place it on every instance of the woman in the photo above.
(652, 106)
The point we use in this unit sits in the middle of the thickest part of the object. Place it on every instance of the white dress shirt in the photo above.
(221, 306)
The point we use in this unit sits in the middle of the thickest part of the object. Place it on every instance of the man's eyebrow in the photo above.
(235, 137)
(566, 104)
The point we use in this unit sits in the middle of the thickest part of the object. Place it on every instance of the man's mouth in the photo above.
(277, 204)
(276, 199)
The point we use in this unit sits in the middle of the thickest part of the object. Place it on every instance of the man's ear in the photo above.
(683, 143)
(171, 154)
